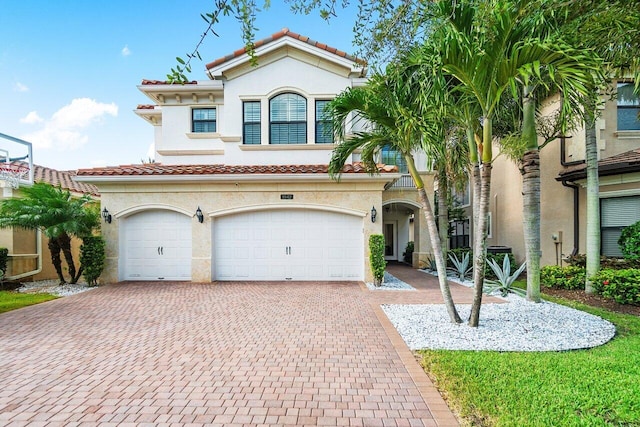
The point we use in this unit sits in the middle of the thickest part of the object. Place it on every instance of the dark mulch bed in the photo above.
(593, 300)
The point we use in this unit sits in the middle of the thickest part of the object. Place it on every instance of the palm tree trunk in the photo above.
(65, 245)
(443, 212)
(475, 181)
(530, 169)
(480, 237)
(434, 237)
(593, 206)
(54, 249)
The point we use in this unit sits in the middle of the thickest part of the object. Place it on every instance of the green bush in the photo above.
(615, 263)
(629, 241)
(376, 256)
(623, 286)
(569, 277)
(407, 255)
(92, 258)
(4, 257)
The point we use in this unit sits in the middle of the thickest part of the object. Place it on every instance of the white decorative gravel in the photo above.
(517, 325)
(391, 283)
(54, 288)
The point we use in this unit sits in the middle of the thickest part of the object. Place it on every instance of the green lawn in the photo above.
(13, 300)
(595, 387)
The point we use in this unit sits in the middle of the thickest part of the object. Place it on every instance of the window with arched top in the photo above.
(288, 119)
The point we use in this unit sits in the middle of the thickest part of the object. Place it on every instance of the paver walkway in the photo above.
(213, 354)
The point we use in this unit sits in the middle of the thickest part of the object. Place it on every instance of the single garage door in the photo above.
(288, 245)
(156, 246)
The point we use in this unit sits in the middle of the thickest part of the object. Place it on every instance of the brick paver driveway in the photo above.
(209, 354)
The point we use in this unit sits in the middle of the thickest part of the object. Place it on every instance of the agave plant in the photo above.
(461, 267)
(505, 280)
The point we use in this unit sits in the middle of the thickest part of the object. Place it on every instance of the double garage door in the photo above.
(263, 245)
(288, 245)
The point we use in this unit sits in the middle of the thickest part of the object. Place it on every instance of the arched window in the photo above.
(288, 119)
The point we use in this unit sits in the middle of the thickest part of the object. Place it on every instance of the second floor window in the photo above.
(251, 122)
(288, 119)
(203, 120)
(628, 107)
(391, 156)
(324, 129)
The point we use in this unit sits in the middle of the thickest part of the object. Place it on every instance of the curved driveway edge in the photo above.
(209, 354)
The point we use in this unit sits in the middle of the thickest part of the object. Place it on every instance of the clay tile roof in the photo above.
(146, 82)
(157, 169)
(626, 162)
(282, 33)
(63, 179)
(145, 107)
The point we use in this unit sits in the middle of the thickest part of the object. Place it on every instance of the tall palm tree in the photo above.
(389, 103)
(58, 215)
(491, 47)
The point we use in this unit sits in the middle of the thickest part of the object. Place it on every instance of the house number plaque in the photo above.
(286, 196)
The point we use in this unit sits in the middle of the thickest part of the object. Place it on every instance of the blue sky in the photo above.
(69, 69)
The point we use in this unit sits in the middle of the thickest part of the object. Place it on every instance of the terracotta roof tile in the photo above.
(146, 82)
(282, 33)
(145, 107)
(158, 169)
(628, 161)
(63, 179)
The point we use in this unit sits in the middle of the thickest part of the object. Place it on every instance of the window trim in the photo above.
(320, 121)
(245, 123)
(296, 122)
(634, 106)
(194, 121)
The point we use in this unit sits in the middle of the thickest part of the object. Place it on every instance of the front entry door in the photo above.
(390, 231)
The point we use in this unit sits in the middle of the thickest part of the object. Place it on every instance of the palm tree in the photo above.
(389, 103)
(58, 215)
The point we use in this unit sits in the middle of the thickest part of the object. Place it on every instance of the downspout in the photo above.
(576, 216)
(39, 260)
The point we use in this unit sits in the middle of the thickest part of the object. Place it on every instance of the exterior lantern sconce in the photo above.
(106, 216)
(199, 215)
(374, 214)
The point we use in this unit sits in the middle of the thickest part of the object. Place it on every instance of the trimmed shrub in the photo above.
(614, 263)
(570, 277)
(92, 258)
(629, 241)
(376, 257)
(623, 286)
(407, 255)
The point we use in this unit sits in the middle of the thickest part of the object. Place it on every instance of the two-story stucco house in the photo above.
(240, 189)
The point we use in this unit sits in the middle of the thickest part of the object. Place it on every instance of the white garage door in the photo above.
(288, 245)
(156, 246)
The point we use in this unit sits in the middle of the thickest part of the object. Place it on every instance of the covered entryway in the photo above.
(298, 244)
(155, 245)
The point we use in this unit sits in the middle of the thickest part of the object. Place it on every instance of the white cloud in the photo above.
(31, 118)
(64, 130)
(20, 87)
(126, 51)
(151, 152)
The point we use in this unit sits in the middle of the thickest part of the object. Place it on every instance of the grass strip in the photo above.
(14, 300)
(594, 387)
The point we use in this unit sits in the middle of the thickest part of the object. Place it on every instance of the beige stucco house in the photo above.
(29, 258)
(239, 189)
(563, 185)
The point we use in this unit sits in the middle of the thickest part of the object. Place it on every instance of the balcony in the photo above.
(405, 181)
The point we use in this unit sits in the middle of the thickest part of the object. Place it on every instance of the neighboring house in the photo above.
(240, 190)
(29, 256)
(563, 186)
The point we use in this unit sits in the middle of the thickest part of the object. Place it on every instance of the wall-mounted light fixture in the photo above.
(374, 214)
(199, 215)
(106, 216)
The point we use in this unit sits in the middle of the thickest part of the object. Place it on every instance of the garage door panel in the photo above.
(157, 245)
(296, 244)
